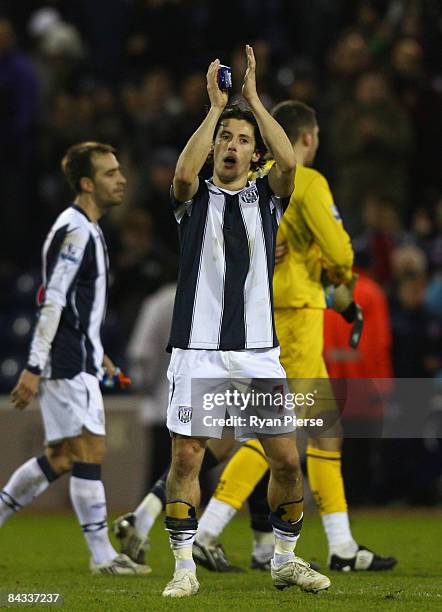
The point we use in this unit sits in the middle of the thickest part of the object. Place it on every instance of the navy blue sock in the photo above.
(88, 471)
(47, 468)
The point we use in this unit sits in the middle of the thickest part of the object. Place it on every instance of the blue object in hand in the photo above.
(224, 77)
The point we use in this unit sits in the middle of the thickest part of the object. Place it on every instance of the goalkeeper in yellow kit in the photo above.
(312, 241)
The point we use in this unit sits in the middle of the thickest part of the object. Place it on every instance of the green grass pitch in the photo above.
(48, 554)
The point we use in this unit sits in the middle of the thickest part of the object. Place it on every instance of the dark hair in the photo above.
(77, 161)
(294, 116)
(239, 111)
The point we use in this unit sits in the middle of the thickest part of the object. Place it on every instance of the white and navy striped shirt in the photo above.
(224, 298)
(67, 335)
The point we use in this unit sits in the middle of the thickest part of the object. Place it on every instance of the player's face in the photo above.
(109, 181)
(234, 150)
(314, 144)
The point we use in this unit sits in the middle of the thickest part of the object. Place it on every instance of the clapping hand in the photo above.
(249, 84)
(218, 98)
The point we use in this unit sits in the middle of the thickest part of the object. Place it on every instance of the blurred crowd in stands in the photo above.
(132, 73)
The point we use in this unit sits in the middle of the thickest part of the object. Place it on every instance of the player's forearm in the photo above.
(338, 253)
(328, 231)
(195, 153)
(339, 264)
(274, 137)
(43, 337)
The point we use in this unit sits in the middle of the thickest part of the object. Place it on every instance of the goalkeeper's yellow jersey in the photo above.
(316, 240)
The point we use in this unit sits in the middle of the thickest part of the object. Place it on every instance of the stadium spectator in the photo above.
(348, 58)
(300, 81)
(426, 232)
(420, 99)
(151, 21)
(19, 100)
(376, 148)
(410, 467)
(152, 194)
(141, 266)
(417, 335)
(382, 234)
(264, 76)
(58, 53)
(106, 52)
(192, 105)
(150, 109)
(407, 261)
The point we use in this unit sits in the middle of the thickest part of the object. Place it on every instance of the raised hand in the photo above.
(249, 84)
(218, 98)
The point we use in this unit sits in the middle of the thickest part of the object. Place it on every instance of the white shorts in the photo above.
(69, 405)
(193, 375)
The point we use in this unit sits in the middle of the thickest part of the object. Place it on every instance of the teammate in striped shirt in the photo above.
(66, 357)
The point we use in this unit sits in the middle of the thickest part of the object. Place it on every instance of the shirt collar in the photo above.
(214, 189)
(80, 210)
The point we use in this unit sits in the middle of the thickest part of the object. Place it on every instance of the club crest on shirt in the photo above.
(185, 414)
(249, 195)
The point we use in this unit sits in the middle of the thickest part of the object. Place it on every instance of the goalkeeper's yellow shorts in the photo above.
(301, 336)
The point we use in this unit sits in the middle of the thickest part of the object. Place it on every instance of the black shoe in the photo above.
(213, 558)
(364, 560)
(132, 544)
(260, 565)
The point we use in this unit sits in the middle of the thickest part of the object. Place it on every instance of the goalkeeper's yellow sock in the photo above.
(325, 479)
(327, 485)
(240, 476)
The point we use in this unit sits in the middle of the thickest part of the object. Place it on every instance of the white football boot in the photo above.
(183, 584)
(121, 565)
(298, 572)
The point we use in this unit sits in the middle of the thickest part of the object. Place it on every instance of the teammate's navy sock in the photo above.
(159, 488)
(47, 468)
(26, 483)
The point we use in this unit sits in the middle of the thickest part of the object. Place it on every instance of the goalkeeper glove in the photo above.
(340, 299)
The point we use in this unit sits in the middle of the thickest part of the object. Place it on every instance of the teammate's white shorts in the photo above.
(192, 376)
(69, 405)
